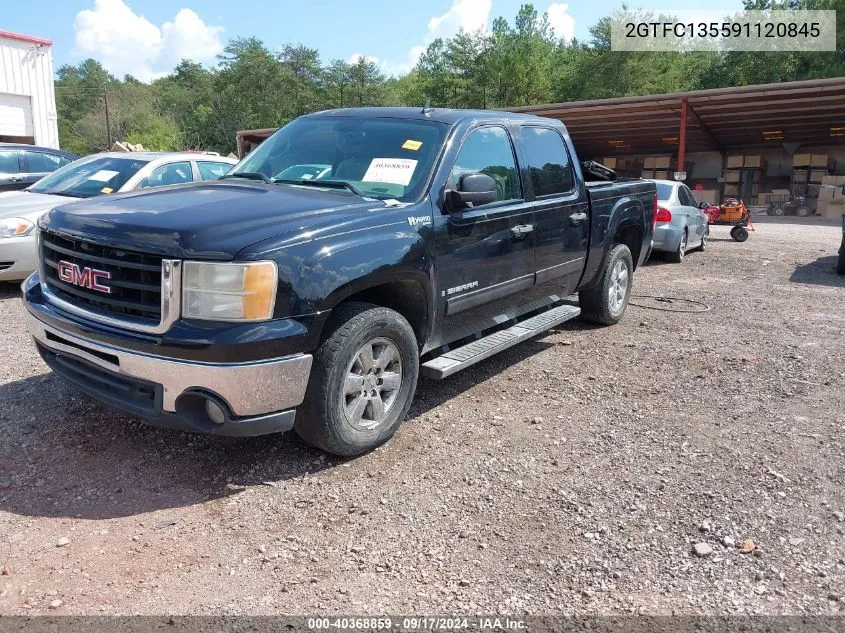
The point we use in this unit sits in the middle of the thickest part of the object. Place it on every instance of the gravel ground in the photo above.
(588, 471)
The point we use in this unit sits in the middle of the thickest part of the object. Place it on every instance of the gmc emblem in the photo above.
(85, 277)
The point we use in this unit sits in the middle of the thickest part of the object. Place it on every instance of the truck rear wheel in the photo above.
(362, 382)
(606, 302)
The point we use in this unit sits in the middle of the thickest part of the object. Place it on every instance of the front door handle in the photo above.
(577, 218)
(521, 230)
(15, 179)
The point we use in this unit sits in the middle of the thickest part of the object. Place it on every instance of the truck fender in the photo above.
(400, 263)
(624, 223)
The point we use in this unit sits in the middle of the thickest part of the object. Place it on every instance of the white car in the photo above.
(95, 175)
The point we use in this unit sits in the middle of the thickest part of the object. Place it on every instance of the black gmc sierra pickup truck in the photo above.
(351, 252)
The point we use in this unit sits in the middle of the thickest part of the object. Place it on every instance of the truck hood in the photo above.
(28, 204)
(212, 220)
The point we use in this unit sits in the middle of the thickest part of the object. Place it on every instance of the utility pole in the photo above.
(108, 128)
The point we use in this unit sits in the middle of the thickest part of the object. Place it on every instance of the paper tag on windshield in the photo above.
(104, 175)
(106, 190)
(412, 145)
(394, 171)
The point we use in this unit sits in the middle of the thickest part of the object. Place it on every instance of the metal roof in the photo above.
(808, 113)
(29, 39)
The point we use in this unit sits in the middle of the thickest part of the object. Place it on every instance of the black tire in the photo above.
(677, 256)
(769, 211)
(739, 233)
(323, 420)
(802, 211)
(840, 264)
(595, 302)
(779, 212)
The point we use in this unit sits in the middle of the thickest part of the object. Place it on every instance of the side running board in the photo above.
(462, 357)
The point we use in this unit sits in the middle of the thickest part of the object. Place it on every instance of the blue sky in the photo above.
(147, 38)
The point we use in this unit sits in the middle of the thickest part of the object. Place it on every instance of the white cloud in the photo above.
(469, 15)
(354, 58)
(128, 43)
(561, 21)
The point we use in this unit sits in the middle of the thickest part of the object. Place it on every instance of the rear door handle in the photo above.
(521, 230)
(577, 218)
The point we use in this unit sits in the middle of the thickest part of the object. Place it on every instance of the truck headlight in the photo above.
(15, 227)
(230, 291)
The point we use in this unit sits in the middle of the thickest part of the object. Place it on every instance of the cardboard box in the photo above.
(819, 160)
(731, 190)
(649, 162)
(753, 161)
(799, 176)
(660, 174)
(801, 160)
(734, 162)
(831, 209)
(827, 192)
(609, 162)
(834, 181)
(816, 175)
(733, 175)
(706, 195)
(662, 162)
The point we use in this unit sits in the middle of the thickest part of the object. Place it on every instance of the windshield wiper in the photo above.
(250, 175)
(326, 184)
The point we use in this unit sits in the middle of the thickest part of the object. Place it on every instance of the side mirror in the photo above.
(473, 190)
(703, 205)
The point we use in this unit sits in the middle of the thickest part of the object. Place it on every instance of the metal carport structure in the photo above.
(785, 116)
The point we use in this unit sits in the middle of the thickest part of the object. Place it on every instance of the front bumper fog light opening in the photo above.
(204, 411)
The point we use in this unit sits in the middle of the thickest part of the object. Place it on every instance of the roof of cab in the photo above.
(441, 115)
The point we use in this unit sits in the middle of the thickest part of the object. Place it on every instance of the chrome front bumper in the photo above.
(248, 389)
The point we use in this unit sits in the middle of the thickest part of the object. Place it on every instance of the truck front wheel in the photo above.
(605, 303)
(362, 381)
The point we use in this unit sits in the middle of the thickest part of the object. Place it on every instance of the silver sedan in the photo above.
(681, 226)
(96, 175)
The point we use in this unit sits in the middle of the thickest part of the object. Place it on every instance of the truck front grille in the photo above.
(133, 279)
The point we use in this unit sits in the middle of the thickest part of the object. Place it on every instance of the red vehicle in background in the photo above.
(732, 212)
(712, 210)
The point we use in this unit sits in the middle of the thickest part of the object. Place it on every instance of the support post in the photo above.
(682, 137)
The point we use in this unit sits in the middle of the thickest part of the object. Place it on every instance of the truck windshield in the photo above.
(380, 157)
(91, 176)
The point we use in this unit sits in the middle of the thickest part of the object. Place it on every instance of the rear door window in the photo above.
(9, 162)
(212, 171)
(43, 162)
(548, 161)
(170, 174)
